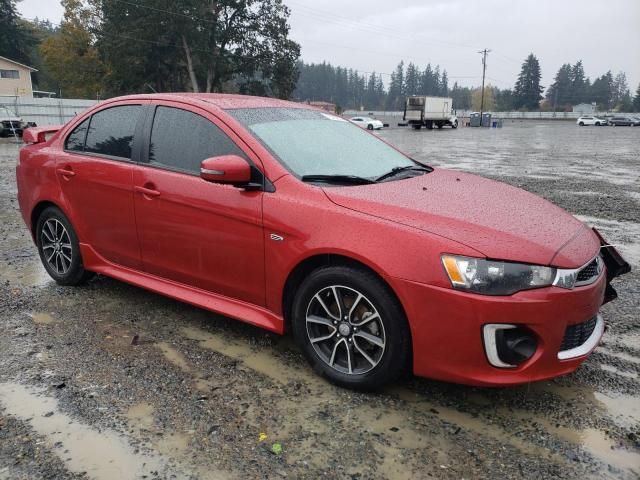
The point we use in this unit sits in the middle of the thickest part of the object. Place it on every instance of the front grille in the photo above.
(576, 335)
(588, 272)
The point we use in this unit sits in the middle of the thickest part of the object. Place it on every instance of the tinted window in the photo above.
(75, 141)
(111, 131)
(180, 140)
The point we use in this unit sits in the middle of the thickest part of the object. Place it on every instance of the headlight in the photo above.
(490, 277)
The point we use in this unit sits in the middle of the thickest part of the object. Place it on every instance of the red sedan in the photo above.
(289, 218)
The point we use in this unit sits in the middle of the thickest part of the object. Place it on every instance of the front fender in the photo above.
(309, 224)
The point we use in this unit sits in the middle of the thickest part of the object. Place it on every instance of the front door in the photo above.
(192, 231)
(95, 172)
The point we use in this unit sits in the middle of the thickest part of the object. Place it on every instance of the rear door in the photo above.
(195, 232)
(95, 173)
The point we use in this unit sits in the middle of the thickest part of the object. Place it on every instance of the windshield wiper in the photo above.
(347, 179)
(396, 170)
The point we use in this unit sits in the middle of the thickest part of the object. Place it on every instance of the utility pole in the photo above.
(484, 69)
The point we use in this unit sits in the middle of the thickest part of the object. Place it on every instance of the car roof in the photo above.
(223, 101)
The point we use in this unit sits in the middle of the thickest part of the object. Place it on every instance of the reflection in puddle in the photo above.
(28, 275)
(262, 362)
(624, 409)
(102, 454)
(600, 446)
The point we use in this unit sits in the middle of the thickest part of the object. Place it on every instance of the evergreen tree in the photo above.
(444, 84)
(601, 91)
(427, 84)
(461, 97)
(636, 100)
(620, 92)
(436, 81)
(201, 45)
(528, 90)
(560, 94)
(579, 84)
(504, 100)
(380, 94)
(395, 97)
(412, 80)
(16, 38)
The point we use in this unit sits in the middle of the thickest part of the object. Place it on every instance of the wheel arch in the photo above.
(37, 210)
(311, 263)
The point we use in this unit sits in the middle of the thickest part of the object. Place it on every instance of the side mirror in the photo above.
(228, 169)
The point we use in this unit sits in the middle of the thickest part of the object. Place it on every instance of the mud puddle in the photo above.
(104, 455)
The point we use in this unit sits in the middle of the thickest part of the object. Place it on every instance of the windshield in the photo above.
(308, 142)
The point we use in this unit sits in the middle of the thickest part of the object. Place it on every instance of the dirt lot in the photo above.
(201, 396)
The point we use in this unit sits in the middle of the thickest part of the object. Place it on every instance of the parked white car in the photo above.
(591, 120)
(367, 122)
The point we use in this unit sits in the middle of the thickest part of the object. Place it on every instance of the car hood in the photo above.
(497, 220)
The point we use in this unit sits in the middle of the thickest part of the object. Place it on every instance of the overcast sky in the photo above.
(373, 35)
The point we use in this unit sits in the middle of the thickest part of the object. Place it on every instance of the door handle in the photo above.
(149, 192)
(66, 172)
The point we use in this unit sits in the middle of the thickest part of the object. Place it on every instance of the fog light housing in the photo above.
(508, 346)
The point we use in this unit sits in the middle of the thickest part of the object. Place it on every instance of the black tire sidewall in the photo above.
(395, 357)
(76, 273)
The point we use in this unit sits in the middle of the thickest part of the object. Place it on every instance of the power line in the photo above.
(365, 26)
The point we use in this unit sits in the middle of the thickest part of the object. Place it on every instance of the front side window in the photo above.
(181, 140)
(111, 131)
(75, 141)
(309, 142)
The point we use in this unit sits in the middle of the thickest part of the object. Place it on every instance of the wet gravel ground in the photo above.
(201, 396)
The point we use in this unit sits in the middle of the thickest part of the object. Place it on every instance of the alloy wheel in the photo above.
(345, 330)
(56, 246)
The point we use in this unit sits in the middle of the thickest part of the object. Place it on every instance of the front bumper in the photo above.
(447, 330)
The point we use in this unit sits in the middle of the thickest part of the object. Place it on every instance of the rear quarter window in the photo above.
(75, 141)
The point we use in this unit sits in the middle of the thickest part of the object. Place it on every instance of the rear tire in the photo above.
(351, 328)
(416, 127)
(59, 248)
(581, 124)
(454, 124)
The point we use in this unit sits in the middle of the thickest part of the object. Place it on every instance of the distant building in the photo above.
(15, 78)
(585, 108)
(326, 106)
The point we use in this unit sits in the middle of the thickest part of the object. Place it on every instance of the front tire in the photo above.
(59, 248)
(454, 124)
(351, 328)
(369, 127)
(581, 124)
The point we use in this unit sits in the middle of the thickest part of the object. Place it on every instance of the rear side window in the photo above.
(181, 140)
(75, 141)
(111, 131)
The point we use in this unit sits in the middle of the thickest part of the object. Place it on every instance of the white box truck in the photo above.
(420, 111)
